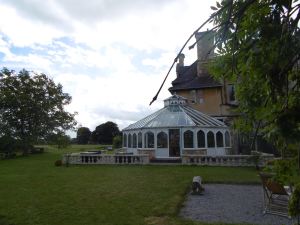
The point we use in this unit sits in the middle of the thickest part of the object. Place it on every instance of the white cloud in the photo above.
(160, 63)
(105, 99)
(24, 32)
(31, 62)
(4, 46)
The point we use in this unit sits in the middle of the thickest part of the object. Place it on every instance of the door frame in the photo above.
(177, 144)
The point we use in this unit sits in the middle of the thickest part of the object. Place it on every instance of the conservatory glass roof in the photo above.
(176, 113)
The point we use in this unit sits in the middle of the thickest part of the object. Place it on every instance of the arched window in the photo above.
(149, 140)
(125, 140)
(219, 137)
(188, 139)
(140, 143)
(227, 139)
(129, 141)
(134, 141)
(162, 140)
(210, 139)
(201, 139)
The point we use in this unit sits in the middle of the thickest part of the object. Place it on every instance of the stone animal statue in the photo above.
(197, 187)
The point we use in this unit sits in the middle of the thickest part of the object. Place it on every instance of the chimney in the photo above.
(180, 63)
(205, 43)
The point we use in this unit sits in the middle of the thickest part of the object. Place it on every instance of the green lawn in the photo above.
(35, 192)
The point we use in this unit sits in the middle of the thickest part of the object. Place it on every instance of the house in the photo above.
(213, 97)
(203, 92)
(175, 130)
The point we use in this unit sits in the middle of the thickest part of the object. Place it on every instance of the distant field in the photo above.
(35, 192)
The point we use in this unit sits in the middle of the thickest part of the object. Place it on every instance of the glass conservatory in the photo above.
(175, 130)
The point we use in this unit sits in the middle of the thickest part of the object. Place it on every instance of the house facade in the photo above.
(202, 91)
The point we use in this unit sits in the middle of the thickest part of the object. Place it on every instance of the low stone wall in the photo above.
(147, 151)
(78, 159)
(192, 151)
(187, 159)
(229, 151)
(226, 160)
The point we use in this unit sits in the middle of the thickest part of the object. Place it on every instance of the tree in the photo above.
(105, 132)
(258, 49)
(60, 139)
(83, 135)
(93, 137)
(32, 107)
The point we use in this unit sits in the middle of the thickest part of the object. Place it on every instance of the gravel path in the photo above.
(230, 204)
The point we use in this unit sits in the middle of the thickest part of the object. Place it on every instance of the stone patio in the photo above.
(230, 204)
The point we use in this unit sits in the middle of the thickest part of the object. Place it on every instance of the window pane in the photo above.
(149, 140)
(140, 144)
(125, 140)
(129, 141)
(227, 139)
(134, 141)
(162, 140)
(210, 140)
(201, 139)
(188, 139)
(220, 139)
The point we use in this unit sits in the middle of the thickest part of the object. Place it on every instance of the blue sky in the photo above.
(110, 56)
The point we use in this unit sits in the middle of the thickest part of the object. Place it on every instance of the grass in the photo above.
(35, 192)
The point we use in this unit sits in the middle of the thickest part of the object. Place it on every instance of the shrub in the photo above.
(294, 207)
(117, 142)
(285, 170)
(8, 146)
(58, 163)
(255, 158)
(59, 139)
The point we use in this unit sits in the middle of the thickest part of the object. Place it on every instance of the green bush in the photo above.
(58, 163)
(285, 170)
(255, 158)
(8, 146)
(294, 207)
(117, 142)
(59, 139)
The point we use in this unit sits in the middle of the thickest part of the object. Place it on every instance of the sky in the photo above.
(111, 56)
